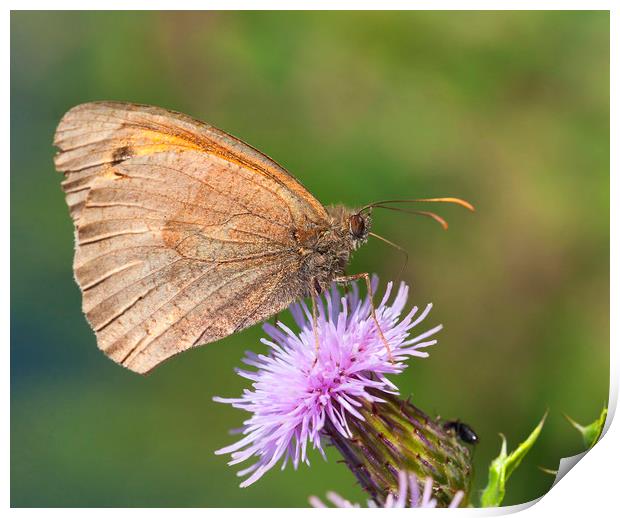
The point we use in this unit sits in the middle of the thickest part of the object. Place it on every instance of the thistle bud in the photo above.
(396, 436)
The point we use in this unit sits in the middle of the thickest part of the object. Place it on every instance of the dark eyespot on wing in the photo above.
(122, 153)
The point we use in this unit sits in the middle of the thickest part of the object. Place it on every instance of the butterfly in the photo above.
(185, 234)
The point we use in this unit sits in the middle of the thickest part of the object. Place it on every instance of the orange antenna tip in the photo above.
(434, 216)
(457, 201)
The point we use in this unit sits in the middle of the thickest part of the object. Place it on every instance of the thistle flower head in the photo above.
(408, 495)
(296, 390)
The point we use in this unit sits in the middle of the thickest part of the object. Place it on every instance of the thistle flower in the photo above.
(297, 394)
(407, 487)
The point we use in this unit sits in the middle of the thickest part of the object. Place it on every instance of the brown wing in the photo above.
(184, 234)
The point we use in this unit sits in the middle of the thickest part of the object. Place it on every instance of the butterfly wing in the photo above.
(184, 234)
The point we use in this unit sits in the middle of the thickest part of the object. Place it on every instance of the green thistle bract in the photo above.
(394, 436)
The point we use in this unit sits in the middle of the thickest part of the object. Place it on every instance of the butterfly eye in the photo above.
(357, 225)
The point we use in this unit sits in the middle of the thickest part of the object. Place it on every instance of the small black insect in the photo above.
(464, 431)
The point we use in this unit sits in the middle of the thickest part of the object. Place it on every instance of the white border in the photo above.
(588, 489)
(300, 5)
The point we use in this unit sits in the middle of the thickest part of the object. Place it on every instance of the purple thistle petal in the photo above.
(407, 486)
(294, 390)
(402, 489)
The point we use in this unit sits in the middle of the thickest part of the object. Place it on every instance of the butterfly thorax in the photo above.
(327, 250)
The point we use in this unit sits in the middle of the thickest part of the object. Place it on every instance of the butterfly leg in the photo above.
(345, 288)
(315, 324)
(366, 277)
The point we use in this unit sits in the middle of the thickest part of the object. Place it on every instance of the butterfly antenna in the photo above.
(426, 213)
(456, 201)
(399, 248)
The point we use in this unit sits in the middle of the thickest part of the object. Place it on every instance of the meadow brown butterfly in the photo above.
(185, 234)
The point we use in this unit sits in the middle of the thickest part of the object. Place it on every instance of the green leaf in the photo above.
(502, 467)
(590, 433)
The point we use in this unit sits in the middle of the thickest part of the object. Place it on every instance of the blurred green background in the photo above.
(509, 110)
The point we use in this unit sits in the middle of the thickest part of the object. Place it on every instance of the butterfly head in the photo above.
(359, 225)
(350, 227)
